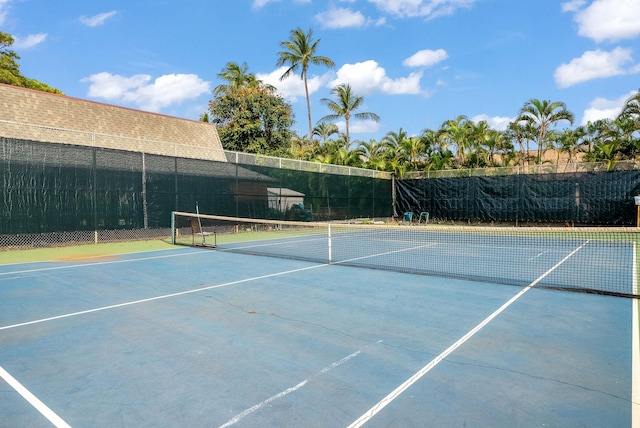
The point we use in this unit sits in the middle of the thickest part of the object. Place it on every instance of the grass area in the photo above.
(81, 251)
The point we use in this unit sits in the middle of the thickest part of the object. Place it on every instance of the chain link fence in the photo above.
(68, 194)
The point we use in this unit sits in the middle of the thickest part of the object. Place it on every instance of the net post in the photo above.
(634, 270)
(173, 228)
(329, 242)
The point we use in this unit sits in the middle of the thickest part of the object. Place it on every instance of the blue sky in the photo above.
(417, 63)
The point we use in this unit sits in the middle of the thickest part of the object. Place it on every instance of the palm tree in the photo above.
(414, 150)
(596, 131)
(542, 115)
(237, 78)
(300, 51)
(480, 144)
(621, 131)
(568, 144)
(325, 130)
(632, 106)
(373, 153)
(629, 122)
(607, 151)
(454, 132)
(521, 132)
(395, 139)
(396, 162)
(344, 106)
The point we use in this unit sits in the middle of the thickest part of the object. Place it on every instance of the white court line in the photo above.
(635, 352)
(33, 400)
(635, 369)
(423, 371)
(41, 407)
(89, 264)
(97, 256)
(288, 391)
(164, 296)
(383, 254)
(538, 255)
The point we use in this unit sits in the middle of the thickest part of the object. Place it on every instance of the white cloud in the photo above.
(421, 8)
(607, 19)
(358, 126)
(4, 7)
(573, 6)
(368, 77)
(594, 65)
(257, 4)
(363, 126)
(140, 91)
(602, 108)
(426, 58)
(341, 18)
(30, 41)
(97, 20)
(499, 123)
(380, 22)
(293, 86)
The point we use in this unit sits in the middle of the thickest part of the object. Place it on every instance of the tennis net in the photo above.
(597, 260)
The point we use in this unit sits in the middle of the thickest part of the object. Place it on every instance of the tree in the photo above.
(542, 116)
(325, 130)
(237, 78)
(593, 132)
(621, 132)
(568, 144)
(413, 149)
(629, 119)
(520, 132)
(299, 53)
(10, 70)
(454, 132)
(253, 120)
(632, 106)
(495, 149)
(395, 139)
(480, 143)
(606, 151)
(344, 106)
(373, 153)
(303, 148)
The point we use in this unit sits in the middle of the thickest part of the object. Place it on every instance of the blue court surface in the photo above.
(189, 337)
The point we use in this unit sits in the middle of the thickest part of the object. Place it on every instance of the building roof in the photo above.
(41, 116)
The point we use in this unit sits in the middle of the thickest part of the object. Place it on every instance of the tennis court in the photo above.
(189, 336)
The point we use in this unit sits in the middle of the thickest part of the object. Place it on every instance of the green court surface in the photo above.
(79, 252)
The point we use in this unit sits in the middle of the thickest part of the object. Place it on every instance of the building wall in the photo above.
(41, 116)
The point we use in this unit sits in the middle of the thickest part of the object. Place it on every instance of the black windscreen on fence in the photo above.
(602, 198)
(51, 187)
(56, 187)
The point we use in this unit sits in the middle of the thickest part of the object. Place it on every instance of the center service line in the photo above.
(423, 371)
(288, 391)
